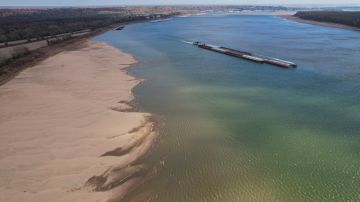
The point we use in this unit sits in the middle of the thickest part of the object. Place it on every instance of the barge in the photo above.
(246, 55)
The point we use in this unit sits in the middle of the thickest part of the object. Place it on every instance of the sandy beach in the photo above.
(67, 130)
(313, 22)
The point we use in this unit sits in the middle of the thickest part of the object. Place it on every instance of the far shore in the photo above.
(312, 22)
(68, 129)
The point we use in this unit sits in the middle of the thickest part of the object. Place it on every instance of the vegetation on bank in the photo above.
(25, 24)
(350, 18)
(36, 23)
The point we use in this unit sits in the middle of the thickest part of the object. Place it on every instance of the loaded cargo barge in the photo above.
(246, 55)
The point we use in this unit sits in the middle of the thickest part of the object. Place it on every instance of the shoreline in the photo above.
(102, 162)
(313, 22)
(15, 66)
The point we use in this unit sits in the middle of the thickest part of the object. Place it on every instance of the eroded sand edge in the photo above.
(66, 131)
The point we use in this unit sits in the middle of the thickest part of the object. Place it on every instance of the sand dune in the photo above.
(60, 137)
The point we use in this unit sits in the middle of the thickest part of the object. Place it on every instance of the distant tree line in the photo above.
(36, 23)
(25, 24)
(341, 17)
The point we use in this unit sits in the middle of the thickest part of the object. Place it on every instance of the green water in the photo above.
(240, 131)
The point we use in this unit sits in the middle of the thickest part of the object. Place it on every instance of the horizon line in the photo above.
(149, 5)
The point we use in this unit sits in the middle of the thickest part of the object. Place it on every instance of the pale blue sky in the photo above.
(162, 2)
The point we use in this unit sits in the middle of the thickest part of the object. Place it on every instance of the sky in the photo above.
(167, 2)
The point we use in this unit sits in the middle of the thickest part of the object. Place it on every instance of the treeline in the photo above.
(341, 17)
(20, 24)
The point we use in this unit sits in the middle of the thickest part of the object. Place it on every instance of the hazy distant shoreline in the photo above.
(313, 22)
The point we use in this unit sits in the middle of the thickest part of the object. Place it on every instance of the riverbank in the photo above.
(68, 132)
(14, 66)
(312, 22)
(29, 58)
